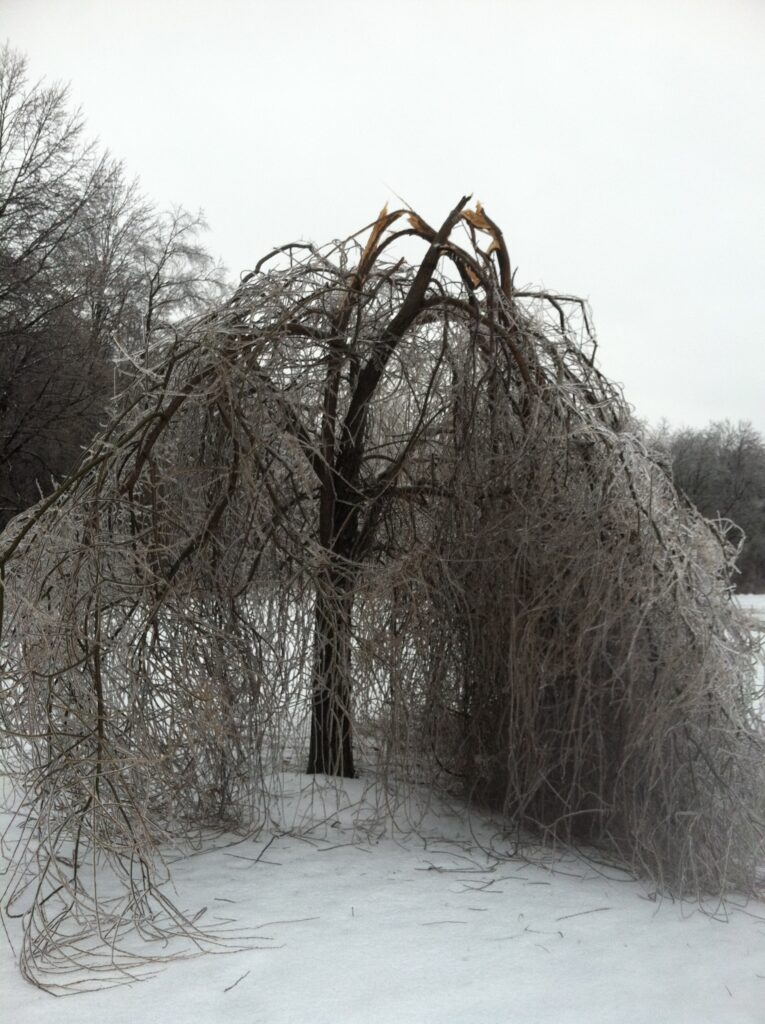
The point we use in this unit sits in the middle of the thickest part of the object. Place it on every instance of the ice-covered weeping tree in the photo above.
(374, 512)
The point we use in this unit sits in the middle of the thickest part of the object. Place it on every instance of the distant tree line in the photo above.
(91, 274)
(721, 469)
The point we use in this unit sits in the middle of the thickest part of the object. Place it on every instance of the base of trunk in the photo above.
(331, 751)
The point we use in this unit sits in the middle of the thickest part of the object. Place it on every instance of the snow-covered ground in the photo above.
(753, 603)
(350, 924)
(754, 606)
(347, 926)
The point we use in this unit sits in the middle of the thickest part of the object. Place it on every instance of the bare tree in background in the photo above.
(721, 469)
(89, 271)
(49, 382)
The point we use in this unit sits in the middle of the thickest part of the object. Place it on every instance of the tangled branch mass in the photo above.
(374, 516)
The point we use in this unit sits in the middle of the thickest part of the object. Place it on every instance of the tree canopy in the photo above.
(380, 514)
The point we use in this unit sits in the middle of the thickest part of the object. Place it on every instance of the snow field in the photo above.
(348, 923)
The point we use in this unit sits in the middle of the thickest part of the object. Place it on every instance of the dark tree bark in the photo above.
(331, 748)
(342, 500)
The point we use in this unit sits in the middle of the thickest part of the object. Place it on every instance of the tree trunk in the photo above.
(331, 750)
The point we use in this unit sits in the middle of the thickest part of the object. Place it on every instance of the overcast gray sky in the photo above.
(620, 145)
